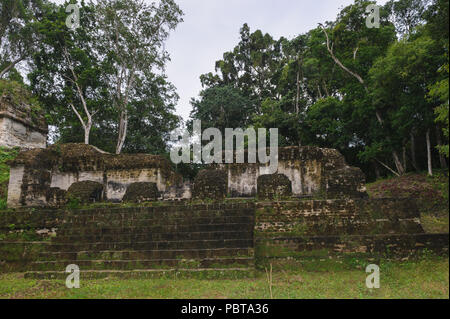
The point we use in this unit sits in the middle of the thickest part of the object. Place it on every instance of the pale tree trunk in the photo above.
(297, 101)
(87, 125)
(413, 152)
(398, 164)
(325, 88)
(320, 92)
(442, 160)
(87, 132)
(430, 167)
(297, 97)
(123, 125)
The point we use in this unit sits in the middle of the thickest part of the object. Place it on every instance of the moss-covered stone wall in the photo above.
(311, 170)
(35, 174)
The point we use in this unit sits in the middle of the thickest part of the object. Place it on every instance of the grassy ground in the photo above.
(431, 193)
(423, 278)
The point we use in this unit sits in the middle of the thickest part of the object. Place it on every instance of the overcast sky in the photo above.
(211, 27)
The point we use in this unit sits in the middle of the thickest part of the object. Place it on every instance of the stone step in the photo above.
(239, 219)
(151, 245)
(387, 245)
(233, 262)
(95, 230)
(150, 237)
(147, 254)
(217, 273)
(149, 213)
(338, 228)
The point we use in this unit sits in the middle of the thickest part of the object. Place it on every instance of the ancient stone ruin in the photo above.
(40, 177)
(238, 219)
(20, 124)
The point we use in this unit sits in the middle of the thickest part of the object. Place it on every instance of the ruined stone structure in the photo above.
(20, 125)
(37, 175)
(311, 170)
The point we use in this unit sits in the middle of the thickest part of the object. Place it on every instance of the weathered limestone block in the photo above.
(86, 191)
(21, 125)
(210, 184)
(178, 192)
(272, 186)
(345, 182)
(141, 192)
(56, 197)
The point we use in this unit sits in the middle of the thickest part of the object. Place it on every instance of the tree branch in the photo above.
(11, 65)
(336, 60)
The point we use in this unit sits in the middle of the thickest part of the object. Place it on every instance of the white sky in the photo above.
(211, 27)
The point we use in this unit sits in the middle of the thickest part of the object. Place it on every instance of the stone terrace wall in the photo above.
(320, 229)
(37, 173)
(337, 217)
(129, 238)
(311, 170)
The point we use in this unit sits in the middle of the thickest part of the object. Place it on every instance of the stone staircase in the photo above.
(147, 241)
(313, 230)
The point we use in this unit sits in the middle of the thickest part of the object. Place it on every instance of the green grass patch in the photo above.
(422, 278)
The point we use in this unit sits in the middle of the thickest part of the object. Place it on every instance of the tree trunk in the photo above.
(404, 157)
(377, 170)
(87, 132)
(430, 167)
(398, 163)
(413, 152)
(442, 160)
(297, 98)
(123, 124)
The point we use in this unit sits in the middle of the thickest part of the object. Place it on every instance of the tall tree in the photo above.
(18, 34)
(131, 42)
(66, 72)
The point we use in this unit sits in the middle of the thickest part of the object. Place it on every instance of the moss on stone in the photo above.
(212, 184)
(86, 191)
(274, 186)
(141, 192)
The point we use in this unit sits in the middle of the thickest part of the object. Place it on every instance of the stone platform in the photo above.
(223, 239)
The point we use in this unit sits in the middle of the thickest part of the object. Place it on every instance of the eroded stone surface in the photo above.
(141, 192)
(35, 172)
(86, 192)
(274, 186)
(210, 184)
(20, 126)
(311, 170)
